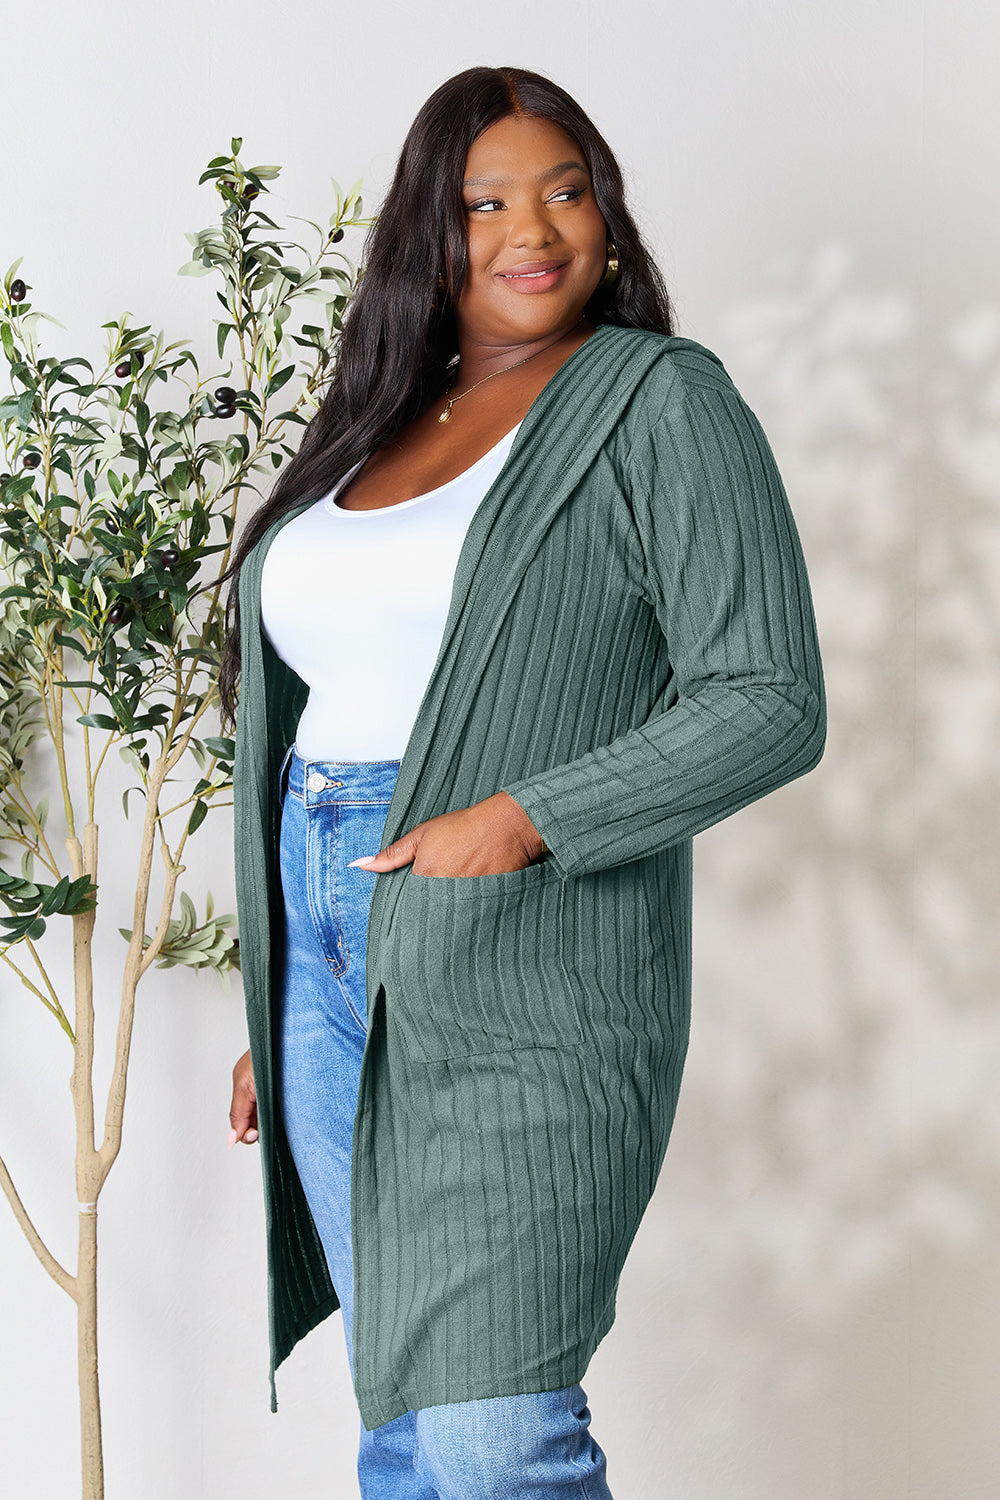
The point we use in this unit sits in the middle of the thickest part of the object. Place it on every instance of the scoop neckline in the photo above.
(330, 502)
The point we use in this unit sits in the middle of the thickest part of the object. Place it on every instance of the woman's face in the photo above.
(528, 198)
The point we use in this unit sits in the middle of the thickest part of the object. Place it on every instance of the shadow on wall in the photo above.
(820, 1249)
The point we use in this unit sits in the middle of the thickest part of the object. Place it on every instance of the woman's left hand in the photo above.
(490, 837)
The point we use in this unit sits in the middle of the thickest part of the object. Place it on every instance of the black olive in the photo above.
(169, 556)
(337, 236)
(18, 290)
(31, 460)
(111, 526)
(117, 613)
(250, 192)
(227, 184)
(125, 368)
(225, 395)
(224, 411)
(4, 478)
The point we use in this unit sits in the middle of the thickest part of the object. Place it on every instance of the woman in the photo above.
(511, 629)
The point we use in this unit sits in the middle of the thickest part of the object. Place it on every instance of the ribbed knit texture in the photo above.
(631, 653)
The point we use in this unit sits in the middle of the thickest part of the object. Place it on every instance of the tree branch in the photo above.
(58, 1273)
(56, 1008)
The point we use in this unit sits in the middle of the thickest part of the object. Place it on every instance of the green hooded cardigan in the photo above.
(630, 652)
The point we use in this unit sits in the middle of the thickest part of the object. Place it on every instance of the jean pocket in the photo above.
(339, 896)
(478, 965)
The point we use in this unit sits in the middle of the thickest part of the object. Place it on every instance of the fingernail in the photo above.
(232, 1140)
(250, 1137)
(365, 859)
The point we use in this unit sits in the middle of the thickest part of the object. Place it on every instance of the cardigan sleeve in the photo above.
(727, 579)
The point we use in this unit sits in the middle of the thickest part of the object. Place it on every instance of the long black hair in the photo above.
(400, 335)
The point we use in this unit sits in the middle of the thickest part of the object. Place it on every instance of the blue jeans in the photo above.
(524, 1447)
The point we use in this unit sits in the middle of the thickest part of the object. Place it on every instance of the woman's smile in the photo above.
(532, 278)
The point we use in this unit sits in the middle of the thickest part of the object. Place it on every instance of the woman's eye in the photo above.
(485, 203)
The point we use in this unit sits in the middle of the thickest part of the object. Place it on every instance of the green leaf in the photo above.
(81, 897)
(222, 749)
(98, 721)
(15, 488)
(141, 417)
(198, 815)
(319, 294)
(277, 381)
(125, 798)
(54, 898)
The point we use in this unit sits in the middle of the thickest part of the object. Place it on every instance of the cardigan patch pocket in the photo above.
(476, 967)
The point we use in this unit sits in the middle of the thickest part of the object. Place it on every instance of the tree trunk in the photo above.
(92, 1456)
(90, 1175)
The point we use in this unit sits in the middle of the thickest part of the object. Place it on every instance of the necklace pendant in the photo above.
(445, 414)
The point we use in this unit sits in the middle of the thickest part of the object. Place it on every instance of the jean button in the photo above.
(316, 781)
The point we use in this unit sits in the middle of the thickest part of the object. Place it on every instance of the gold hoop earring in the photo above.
(612, 267)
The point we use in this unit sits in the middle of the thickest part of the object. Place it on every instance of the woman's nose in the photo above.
(530, 226)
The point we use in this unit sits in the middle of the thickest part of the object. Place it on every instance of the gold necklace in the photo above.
(451, 401)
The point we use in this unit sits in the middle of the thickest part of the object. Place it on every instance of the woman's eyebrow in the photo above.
(563, 166)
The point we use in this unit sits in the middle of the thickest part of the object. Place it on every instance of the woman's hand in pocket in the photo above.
(491, 837)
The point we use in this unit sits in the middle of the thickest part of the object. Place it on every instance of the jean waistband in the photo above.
(317, 781)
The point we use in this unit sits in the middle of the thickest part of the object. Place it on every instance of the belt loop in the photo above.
(283, 773)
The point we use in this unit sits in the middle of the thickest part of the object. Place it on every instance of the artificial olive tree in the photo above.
(113, 513)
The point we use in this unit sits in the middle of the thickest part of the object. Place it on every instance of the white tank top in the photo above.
(355, 602)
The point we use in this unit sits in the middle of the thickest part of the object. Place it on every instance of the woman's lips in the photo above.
(535, 281)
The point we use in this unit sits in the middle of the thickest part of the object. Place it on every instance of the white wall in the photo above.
(811, 1306)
